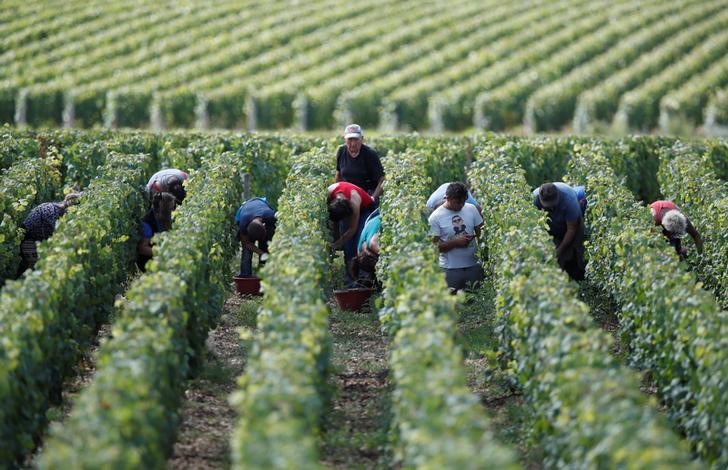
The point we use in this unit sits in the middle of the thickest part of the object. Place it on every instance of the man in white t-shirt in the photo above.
(454, 226)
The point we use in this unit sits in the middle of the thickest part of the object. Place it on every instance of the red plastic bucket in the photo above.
(247, 285)
(352, 299)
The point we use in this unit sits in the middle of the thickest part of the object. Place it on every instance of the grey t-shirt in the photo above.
(163, 177)
(446, 224)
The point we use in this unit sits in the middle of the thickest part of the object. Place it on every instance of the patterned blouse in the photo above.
(41, 222)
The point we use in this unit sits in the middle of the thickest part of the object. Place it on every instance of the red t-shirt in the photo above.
(346, 189)
(658, 207)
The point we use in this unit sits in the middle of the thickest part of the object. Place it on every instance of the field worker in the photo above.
(454, 226)
(256, 221)
(438, 197)
(349, 206)
(675, 225)
(359, 164)
(40, 225)
(362, 266)
(566, 207)
(169, 180)
(157, 219)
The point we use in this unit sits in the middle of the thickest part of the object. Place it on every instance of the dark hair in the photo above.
(363, 262)
(177, 189)
(457, 191)
(256, 231)
(548, 194)
(162, 205)
(339, 209)
(368, 261)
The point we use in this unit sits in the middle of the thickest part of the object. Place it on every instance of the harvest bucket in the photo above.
(247, 285)
(353, 299)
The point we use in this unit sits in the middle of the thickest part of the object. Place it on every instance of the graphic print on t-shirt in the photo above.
(458, 225)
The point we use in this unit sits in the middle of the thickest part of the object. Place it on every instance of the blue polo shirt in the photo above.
(256, 207)
(566, 211)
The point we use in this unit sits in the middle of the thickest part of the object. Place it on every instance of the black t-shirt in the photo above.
(364, 171)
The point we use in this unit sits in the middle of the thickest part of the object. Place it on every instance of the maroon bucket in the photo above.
(353, 299)
(247, 285)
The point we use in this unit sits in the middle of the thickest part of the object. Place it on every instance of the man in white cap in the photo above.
(565, 206)
(359, 164)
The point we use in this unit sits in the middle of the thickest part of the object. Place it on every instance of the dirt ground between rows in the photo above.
(356, 423)
(207, 417)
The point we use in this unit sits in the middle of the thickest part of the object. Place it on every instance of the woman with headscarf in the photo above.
(40, 225)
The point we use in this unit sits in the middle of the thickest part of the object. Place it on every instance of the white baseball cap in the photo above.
(353, 131)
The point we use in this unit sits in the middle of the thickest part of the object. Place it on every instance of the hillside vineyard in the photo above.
(585, 403)
(578, 66)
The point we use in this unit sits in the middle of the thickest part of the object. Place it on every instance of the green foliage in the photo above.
(687, 178)
(552, 106)
(639, 107)
(203, 241)
(48, 316)
(444, 159)
(716, 113)
(503, 106)
(718, 153)
(636, 159)
(127, 418)
(589, 411)
(683, 108)
(14, 146)
(438, 65)
(671, 326)
(543, 159)
(596, 106)
(283, 390)
(84, 153)
(27, 183)
(437, 422)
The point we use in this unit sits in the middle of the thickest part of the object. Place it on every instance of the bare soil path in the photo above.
(207, 417)
(508, 411)
(356, 422)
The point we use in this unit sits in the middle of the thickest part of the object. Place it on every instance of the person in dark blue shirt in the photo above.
(566, 207)
(157, 219)
(256, 221)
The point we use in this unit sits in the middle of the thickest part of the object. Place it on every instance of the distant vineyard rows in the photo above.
(617, 67)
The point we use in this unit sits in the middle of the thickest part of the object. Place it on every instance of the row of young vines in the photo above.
(588, 408)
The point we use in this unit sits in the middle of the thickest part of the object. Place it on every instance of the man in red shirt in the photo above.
(675, 225)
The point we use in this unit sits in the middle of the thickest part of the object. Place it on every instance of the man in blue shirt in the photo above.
(256, 221)
(565, 206)
(437, 198)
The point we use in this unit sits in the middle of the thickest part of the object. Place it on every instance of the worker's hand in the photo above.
(463, 239)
